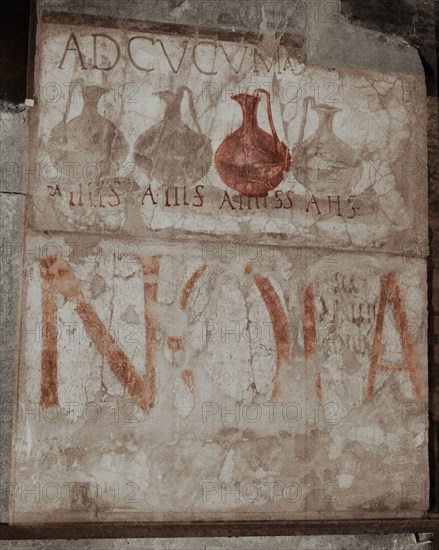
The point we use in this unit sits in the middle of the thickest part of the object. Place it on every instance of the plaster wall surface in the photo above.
(335, 370)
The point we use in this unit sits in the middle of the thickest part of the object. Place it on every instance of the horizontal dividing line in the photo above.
(225, 34)
(111, 529)
(177, 236)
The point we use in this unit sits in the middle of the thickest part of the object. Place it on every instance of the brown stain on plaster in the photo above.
(309, 322)
(319, 389)
(189, 380)
(310, 334)
(184, 299)
(279, 321)
(49, 354)
(390, 288)
(151, 268)
(175, 344)
(277, 392)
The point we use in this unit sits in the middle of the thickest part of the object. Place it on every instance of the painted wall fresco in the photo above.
(222, 313)
(283, 386)
(139, 132)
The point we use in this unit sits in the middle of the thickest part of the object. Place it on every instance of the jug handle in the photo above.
(270, 115)
(309, 99)
(191, 106)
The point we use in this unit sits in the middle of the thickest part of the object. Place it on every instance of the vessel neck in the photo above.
(173, 106)
(90, 110)
(326, 117)
(249, 106)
